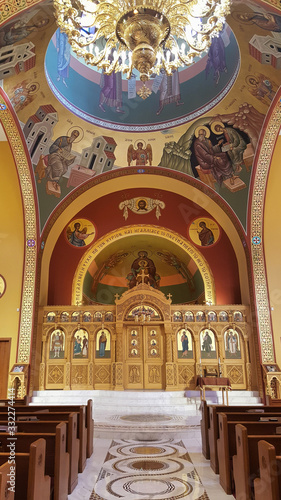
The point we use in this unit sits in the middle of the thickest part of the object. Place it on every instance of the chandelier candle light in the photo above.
(148, 35)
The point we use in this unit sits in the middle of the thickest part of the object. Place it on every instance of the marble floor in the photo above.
(140, 457)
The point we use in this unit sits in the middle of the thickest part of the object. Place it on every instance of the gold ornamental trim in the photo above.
(10, 8)
(257, 220)
(101, 244)
(29, 273)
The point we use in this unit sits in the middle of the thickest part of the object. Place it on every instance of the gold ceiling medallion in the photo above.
(144, 92)
(146, 35)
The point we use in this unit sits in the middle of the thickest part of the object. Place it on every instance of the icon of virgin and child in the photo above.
(143, 270)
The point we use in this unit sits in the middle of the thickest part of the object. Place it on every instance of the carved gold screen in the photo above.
(144, 357)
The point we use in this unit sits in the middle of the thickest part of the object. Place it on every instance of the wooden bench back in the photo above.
(246, 461)
(213, 431)
(39, 485)
(6, 493)
(268, 484)
(31, 481)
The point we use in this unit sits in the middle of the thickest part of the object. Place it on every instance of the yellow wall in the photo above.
(272, 245)
(11, 246)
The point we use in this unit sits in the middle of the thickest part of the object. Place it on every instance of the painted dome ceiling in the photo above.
(81, 129)
(85, 91)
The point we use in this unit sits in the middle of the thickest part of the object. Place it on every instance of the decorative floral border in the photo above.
(30, 220)
(267, 142)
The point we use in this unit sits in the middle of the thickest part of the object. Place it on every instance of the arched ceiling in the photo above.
(212, 90)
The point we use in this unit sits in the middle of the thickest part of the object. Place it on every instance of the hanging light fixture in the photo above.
(148, 35)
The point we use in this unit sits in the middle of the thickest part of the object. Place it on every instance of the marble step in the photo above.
(110, 403)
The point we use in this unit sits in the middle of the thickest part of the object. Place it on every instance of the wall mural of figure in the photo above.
(180, 266)
(211, 158)
(216, 59)
(143, 270)
(232, 344)
(106, 267)
(103, 344)
(23, 94)
(63, 57)
(18, 30)
(77, 233)
(204, 231)
(111, 91)
(267, 21)
(208, 344)
(205, 235)
(80, 344)
(232, 143)
(261, 87)
(57, 343)
(60, 157)
(142, 155)
(169, 90)
(184, 344)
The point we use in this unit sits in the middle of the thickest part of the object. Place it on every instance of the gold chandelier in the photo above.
(148, 35)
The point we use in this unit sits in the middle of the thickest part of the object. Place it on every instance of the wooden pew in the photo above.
(72, 444)
(246, 461)
(37, 481)
(85, 422)
(31, 482)
(57, 458)
(47, 415)
(17, 402)
(213, 431)
(5, 488)
(226, 444)
(268, 485)
(205, 424)
(272, 402)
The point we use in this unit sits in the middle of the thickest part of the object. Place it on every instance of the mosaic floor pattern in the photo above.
(132, 471)
(159, 464)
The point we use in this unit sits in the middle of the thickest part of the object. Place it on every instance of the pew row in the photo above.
(72, 444)
(212, 433)
(6, 492)
(46, 415)
(226, 445)
(268, 485)
(31, 483)
(245, 469)
(56, 457)
(86, 423)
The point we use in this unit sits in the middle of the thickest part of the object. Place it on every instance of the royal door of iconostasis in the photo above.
(144, 357)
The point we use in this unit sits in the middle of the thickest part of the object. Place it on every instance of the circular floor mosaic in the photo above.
(145, 465)
(146, 418)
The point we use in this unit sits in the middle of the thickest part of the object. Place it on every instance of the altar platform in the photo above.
(140, 412)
